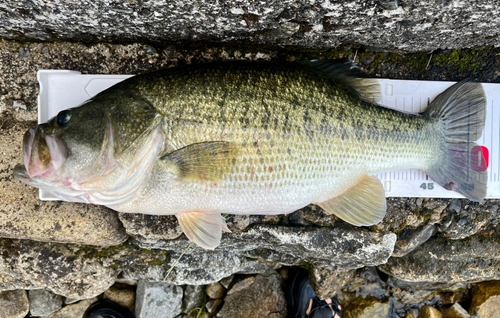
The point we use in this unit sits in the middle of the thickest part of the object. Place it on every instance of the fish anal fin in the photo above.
(202, 227)
(363, 204)
(206, 161)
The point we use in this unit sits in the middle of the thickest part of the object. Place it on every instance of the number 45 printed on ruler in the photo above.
(479, 161)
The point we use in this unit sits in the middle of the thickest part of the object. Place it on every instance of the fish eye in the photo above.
(63, 117)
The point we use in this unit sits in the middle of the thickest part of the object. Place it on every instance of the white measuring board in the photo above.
(61, 89)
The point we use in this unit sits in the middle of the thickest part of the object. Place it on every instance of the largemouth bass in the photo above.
(250, 138)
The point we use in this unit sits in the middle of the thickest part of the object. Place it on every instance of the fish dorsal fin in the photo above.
(203, 228)
(206, 161)
(363, 204)
(368, 88)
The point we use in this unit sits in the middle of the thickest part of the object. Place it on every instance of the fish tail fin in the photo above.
(461, 109)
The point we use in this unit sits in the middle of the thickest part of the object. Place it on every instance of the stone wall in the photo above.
(79, 251)
(258, 244)
(409, 25)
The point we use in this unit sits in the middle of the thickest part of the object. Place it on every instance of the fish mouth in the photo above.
(21, 174)
(42, 153)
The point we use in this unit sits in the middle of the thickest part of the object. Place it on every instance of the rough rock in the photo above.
(75, 310)
(312, 215)
(413, 25)
(213, 305)
(237, 223)
(150, 229)
(241, 284)
(449, 298)
(369, 307)
(72, 271)
(442, 261)
(197, 267)
(367, 282)
(215, 290)
(158, 299)
(58, 267)
(43, 302)
(429, 312)
(122, 296)
(194, 296)
(263, 247)
(472, 218)
(455, 222)
(454, 311)
(69, 301)
(411, 239)
(14, 304)
(343, 246)
(409, 296)
(327, 283)
(485, 299)
(264, 298)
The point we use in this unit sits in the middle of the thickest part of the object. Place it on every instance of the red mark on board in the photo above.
(271, 169)
(449, 186)
(479, 156)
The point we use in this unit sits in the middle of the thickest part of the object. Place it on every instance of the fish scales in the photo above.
(301, 137)
(250, 138)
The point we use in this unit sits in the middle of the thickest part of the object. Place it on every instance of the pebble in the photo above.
(213, 305)
(14, 304)
(215, 290)
(429, 312)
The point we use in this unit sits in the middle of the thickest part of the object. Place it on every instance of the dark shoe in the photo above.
(106, 308)
(321, 309)
(299, 294)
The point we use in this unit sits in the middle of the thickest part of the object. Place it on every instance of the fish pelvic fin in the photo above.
(205, 161)
(363, 204)
(367, 88)
(461, 110)
(203, 228)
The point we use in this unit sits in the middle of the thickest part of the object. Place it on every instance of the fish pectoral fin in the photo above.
(363, 204)
(203, 228)
(205, 161)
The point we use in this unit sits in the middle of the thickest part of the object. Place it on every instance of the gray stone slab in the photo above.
(44, 302)
(264, 298)
(413, 25)
(158, 300)
(193, 297)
